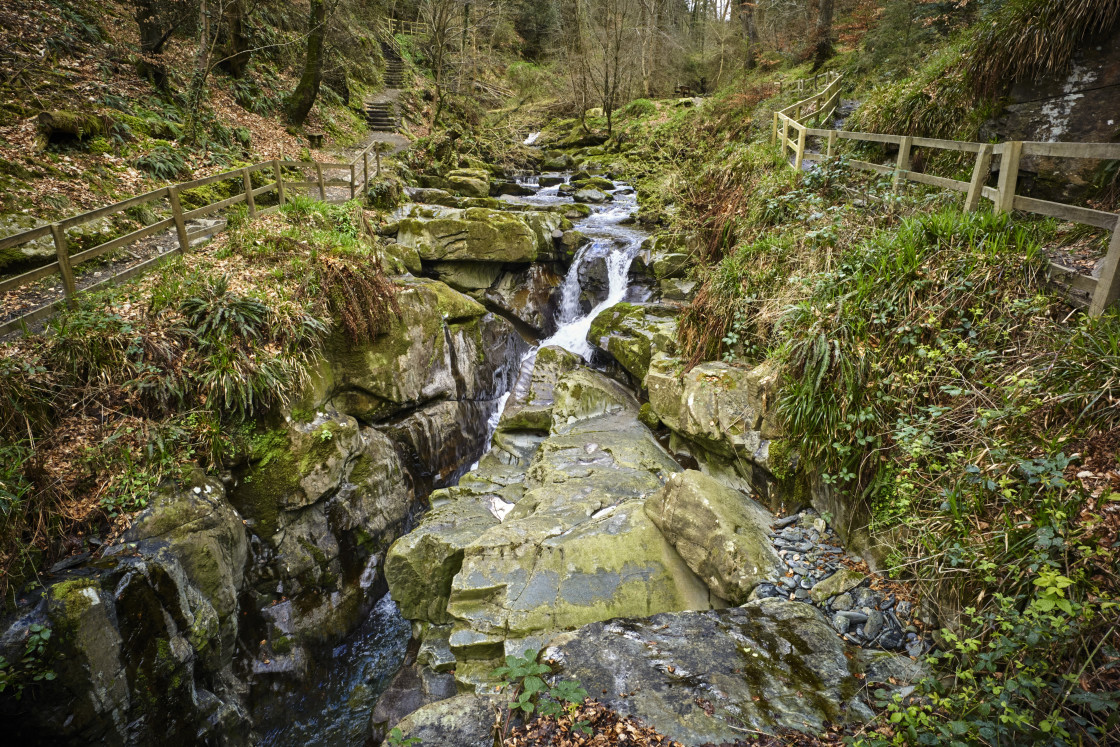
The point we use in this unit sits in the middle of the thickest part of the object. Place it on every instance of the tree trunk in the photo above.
(823, 35)
(236, 52)
(303, 97)
(750, 33)
(151, 43)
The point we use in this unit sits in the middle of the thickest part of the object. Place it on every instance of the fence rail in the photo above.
(407, 28)
(1101, 292)
(359, 176)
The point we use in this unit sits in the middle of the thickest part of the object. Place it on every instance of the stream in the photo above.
(332, 702)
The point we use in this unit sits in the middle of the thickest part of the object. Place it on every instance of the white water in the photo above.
(532, 138)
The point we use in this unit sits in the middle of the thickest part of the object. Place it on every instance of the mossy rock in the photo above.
(633, 334)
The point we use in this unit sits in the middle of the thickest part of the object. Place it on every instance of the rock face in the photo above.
(532, 295)
(720, 533)
(478, 234)
(574, 544)
(206, 535)
(1075, 106)
(725, 417)
(138, 651)
(633, 333)
(702, 677)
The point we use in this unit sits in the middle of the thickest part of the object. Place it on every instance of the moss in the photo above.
(71, 599)
(282, 645)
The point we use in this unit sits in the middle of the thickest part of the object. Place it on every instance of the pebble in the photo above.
(915, 649)
(856, 617)
(903, 609)
(789, 583)
(786, 521)
(806, 584)
(841, 623)
(842, 602)
(801, 594)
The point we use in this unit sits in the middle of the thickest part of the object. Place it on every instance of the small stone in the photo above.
(806, 584)
(820, 525)
(789, 583)
(842, 602)
(786, 521)
(915, 649)
(841, 623)
(853, 616)
(891, 639)
(887, 603)
(801, 594)
(874, 624)
(903, 609)
(838, 583)
(765, 591)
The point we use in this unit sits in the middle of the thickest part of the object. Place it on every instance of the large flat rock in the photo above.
(701, 677)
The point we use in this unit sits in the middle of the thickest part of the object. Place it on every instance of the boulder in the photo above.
(726, 412)
(433, 196)
(705, 677)
(467, 276)
(550, 181)
(420, 566)
(633, 333)
(593, 182)
(592, 196)
(478, 234)
(470, 182)
(722, 535)
(514, 189)
(413, 687)
(327, 497)
(462, 721)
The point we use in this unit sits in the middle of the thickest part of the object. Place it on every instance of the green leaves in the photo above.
(532, 694)
(397, 738)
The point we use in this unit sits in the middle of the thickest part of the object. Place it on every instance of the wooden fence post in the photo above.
(322, 186)
(365, 169)
(353, 181)
(903, 163)
(831, 143)
(279, 181)
(800, 149)
(1008, 175)
(1108, 284)
(249, 200)
(377, 157)
(177, 216)
(774, 131)
(60, 250)
(979, 176)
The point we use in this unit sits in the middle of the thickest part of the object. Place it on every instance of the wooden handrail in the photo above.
(1104, 291)
(359, 178)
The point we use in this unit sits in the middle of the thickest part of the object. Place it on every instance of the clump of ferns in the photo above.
(248, 356)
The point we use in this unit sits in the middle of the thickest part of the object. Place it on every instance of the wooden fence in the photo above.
(1094, 293)
(395, 26)
(64, 262)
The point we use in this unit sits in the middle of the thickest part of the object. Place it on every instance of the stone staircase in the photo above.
(381, 114)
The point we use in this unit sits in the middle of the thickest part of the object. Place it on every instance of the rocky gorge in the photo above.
(521, 463)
